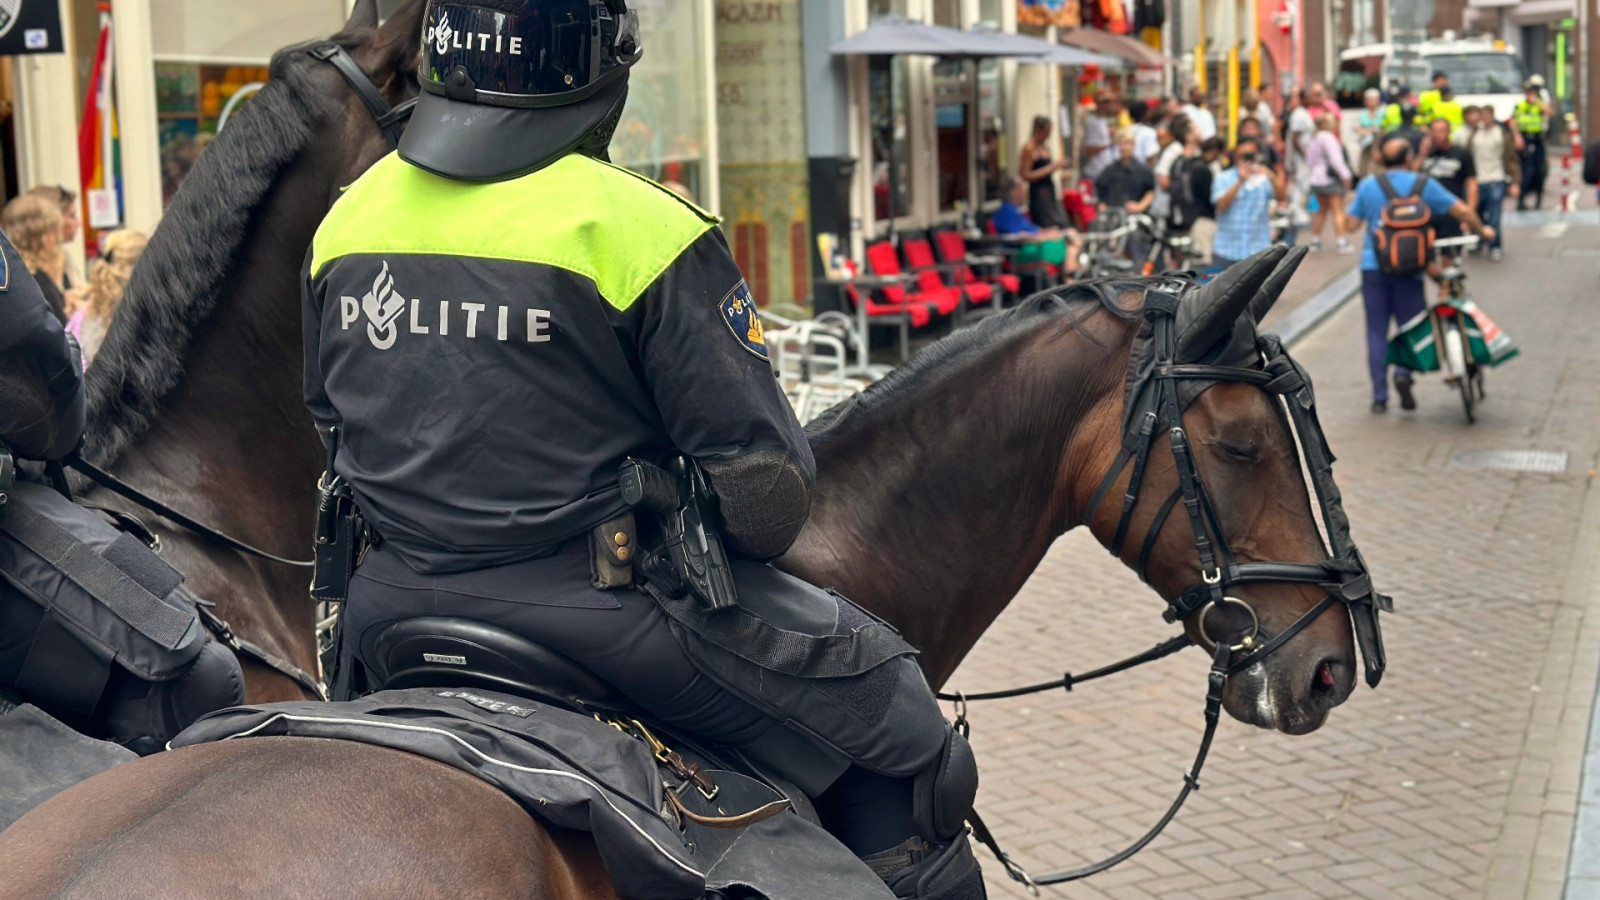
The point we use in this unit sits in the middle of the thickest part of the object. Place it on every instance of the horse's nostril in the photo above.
(1324, 681)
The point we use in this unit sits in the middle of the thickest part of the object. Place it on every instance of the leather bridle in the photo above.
(390, 119)
(1155, 406)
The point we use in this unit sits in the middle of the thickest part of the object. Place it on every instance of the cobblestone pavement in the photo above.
(1458, 777)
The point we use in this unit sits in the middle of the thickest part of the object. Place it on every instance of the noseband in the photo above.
(391, 119)
(1156, 407)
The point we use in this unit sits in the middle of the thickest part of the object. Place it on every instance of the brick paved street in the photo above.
(1458, 777)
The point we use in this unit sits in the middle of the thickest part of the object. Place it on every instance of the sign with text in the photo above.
(30, 26)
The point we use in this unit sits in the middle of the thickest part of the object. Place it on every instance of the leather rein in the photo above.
(1343, 576)
(391, 121)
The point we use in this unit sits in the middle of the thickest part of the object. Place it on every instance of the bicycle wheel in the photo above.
(1455, 358)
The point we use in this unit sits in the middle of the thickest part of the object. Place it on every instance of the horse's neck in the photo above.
(933, 508)
(234, 446)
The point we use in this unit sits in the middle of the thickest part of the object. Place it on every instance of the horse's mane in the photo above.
(1065, 307)
(190, 258)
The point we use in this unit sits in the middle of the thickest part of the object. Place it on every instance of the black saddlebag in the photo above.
(574, 771)
(98, 630)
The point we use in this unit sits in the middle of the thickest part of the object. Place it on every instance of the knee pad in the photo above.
(944, 792)
(143, 716)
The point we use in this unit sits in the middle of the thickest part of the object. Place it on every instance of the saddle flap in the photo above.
(439, 651)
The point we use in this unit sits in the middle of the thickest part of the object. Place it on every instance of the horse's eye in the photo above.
(1241, 452)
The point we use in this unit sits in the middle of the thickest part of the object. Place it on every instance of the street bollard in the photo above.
(1569, 195)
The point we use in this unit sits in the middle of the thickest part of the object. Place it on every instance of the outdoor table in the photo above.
(866, 282)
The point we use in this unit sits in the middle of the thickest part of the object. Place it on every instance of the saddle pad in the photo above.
(40, 758)
(575, 772)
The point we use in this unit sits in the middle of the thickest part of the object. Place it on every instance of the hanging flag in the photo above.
(99, 143)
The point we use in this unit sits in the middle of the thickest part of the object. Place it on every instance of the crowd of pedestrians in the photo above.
(1233, 188)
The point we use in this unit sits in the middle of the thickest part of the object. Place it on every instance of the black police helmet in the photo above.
(510, 86)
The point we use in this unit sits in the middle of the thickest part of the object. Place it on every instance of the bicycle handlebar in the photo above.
(1466, 240)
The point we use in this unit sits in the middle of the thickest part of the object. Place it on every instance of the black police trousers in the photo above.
(624, 638)
(1535, 169)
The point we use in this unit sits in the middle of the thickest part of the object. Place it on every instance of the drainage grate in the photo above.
(1511, 461)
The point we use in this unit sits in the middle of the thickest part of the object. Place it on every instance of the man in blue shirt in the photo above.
(1041, 244)
(1396, 297)
(1243, 195)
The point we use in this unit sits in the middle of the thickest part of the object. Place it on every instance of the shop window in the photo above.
(991, 131)
(954, 115)
(210, 55)
(891, 137)
(989, 12)
(879, 8)
(947, 13)
(663, 131)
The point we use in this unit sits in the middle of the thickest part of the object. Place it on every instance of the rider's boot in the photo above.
(869, 811)
(917, 870)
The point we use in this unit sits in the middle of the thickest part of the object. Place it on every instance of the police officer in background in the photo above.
(1532, 120)
(1428, 98)
(496, 319)
(41, 373)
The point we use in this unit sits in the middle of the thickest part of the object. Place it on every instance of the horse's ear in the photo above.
(1276, 282)
(402, 33)
(1216, 307)
(365, 15)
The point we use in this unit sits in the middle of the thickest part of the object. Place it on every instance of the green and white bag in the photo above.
(1415, 347)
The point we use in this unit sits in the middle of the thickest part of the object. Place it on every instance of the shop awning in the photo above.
(1050, 54)
(1541, 12)
(1120, 46)
(898, 36)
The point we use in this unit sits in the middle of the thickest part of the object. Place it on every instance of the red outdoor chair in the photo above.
(932, 274)
(884, 260)
(953, 249)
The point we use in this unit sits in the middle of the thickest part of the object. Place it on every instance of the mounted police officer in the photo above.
(496, 321)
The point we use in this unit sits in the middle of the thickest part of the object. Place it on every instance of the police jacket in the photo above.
(41, 376)
(491, 353)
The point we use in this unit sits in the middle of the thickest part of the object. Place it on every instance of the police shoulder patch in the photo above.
(739, 312)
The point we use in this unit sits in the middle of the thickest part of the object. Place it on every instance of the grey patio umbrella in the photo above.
(899, 36)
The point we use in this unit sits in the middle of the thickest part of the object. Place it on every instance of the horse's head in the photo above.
(1204, 395)
(386, 55)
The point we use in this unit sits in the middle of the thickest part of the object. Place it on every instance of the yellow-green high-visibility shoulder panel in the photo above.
(618, 229)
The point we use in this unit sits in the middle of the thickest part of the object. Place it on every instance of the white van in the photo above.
(1482, 72)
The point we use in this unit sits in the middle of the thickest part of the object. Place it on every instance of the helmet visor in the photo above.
(554, 52)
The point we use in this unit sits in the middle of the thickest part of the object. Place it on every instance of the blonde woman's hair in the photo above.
(108, 276)
(33, 224)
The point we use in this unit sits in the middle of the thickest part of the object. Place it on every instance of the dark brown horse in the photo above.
(938, 493)
(195, 397)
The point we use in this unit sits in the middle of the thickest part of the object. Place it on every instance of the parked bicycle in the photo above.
(1110, 251)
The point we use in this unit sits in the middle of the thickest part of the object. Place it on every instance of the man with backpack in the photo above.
(1398, 208)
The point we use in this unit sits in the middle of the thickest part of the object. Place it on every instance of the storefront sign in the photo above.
(30, 26)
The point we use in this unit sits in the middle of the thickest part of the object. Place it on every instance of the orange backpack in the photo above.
(1403, 241)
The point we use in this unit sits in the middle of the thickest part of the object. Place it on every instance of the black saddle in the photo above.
(439, 651)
